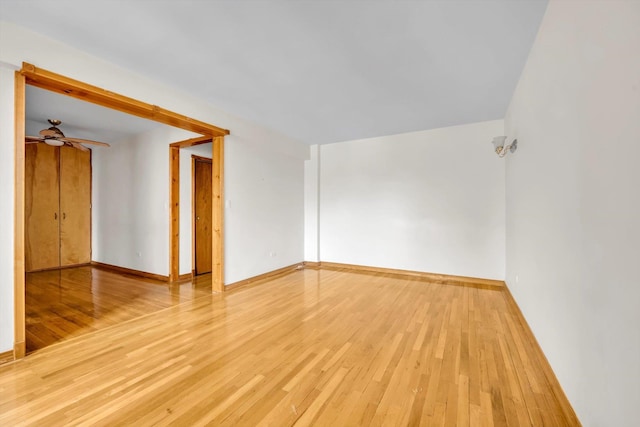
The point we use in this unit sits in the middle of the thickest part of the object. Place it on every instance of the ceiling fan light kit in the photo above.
(54, 142)
(54, 136)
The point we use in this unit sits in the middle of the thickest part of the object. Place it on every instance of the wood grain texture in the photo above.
(6, 356)
(185, 277)
(70, 302)
(202, 211)
(192, 142)
(217, 215)
(314, 347)
(556, 388)
(42, 207)
(57, 207)
(174, 213)
(75, 206)
(57, 83)
(433, 277)
(19, 344)
(131, 271)
(264, 277)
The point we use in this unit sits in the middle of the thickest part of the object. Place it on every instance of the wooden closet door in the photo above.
(202, 197)
(75, 206)
(42, 241)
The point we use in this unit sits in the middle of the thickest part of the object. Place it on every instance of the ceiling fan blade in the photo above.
(78, 146)
(84, 141)
(48, 132)
(32, 139)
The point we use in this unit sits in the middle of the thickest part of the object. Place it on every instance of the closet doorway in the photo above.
(57, 207)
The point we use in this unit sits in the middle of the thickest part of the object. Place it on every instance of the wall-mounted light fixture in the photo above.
(501, 149)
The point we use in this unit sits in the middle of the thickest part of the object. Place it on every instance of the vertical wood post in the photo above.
(217, 217)
(174, 213)
(19, 339)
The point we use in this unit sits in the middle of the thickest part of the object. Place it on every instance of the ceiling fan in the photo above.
(54, 136)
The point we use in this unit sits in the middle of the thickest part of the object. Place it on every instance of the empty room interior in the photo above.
(320, 213)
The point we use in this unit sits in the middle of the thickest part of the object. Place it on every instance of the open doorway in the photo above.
(30, 75)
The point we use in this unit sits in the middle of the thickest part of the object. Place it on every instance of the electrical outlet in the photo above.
(517, 278)
(139, 254)
(272, 253)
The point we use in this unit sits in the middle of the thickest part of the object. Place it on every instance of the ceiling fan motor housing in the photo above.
(56, 133)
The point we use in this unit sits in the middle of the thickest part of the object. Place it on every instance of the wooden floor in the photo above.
(66, 303)
(315, 347)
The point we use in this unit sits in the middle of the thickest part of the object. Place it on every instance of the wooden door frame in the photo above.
(194, 159)
(217, 279)
(32, 75)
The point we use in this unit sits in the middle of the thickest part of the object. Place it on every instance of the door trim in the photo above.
(30, 74)
(217, 217)
(19, 333)
(174, 211)
(194, 159)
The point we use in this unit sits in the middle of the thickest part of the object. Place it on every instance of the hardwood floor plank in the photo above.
(65, 303)
(315, 347)
(307, 418)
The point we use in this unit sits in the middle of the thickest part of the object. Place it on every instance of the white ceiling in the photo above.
(319, 71)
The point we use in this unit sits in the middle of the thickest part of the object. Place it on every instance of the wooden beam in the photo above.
(64, 85)
(174, 213)
(19, 339)
(217, 218)
(192, 142)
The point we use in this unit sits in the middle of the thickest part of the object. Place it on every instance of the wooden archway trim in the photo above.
(217, 219)
(19, 332)
(192, 142)
(32, 75)
(57, 83)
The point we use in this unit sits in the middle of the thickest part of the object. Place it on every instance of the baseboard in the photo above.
(62, 267)
(556, 388)
(185, 277)
(261, 277)
(124, 270)
(432, 277)
(6, 357)
(311, 264)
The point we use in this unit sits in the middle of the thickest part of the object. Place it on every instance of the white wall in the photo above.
(131, 214)
(573, 204)
(264, 211)
(311, 205)
(186, 212)
(429, 201)
(257, 161)
(130, 197)
(6, 206)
